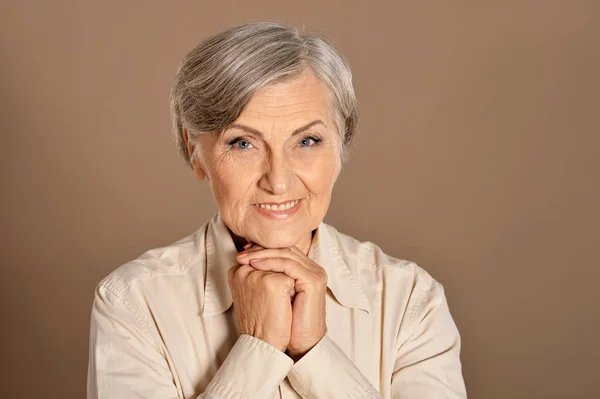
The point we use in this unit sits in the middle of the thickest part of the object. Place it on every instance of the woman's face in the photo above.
(272, 171)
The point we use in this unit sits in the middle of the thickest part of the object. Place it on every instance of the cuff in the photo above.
(326, 372)
(252, 369)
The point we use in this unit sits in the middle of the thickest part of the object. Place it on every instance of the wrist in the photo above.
(278, 344)
(296, 353)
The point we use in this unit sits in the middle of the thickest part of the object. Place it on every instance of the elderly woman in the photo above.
(265, 300)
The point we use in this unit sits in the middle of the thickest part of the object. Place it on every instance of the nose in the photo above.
(277, 175)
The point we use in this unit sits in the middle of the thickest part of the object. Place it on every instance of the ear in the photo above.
(200, 174)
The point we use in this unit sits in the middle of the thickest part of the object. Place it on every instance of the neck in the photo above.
(305, 244)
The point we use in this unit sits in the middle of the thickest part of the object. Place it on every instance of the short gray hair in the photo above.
(217, 79)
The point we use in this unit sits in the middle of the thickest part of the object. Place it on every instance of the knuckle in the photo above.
(242, 272)
(323, 274)
(322, 277)
(289, 283)
(253, 275)
(245, 269)
(274, 281)
(269, 281)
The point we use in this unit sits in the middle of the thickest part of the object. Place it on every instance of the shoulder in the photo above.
(145, 290)
(157, 264)
(367, 255)
(373, 267)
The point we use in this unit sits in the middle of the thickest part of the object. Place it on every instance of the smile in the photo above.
(278, 207)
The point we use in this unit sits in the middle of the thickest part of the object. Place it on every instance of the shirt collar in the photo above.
(325, 251)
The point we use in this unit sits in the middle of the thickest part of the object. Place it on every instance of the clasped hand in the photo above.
(279, 298)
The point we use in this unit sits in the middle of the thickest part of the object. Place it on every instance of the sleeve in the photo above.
(253, 369)
(125, 361)
(326, 372)
(428, 362)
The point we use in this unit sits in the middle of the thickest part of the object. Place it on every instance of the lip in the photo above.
(275, 203)
(277, 214)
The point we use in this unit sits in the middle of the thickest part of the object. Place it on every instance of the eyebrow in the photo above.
(259, 133)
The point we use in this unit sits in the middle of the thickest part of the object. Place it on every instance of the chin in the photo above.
(275, 233)
(269, 235)
(274, 239)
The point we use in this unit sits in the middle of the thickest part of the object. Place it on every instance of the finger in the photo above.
(287, 266)
(252, 248)
(288, 253)
(305, 260)
(298, 251)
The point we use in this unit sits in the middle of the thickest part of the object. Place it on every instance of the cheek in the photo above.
(319, 174)
(231, 180)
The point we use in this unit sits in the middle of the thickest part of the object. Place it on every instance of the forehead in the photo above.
(296, 100)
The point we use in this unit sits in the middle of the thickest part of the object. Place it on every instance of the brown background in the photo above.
(478, 157)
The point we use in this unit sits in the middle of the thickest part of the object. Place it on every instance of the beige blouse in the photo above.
(163, 326)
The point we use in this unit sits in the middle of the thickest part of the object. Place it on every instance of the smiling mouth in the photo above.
(278, 207)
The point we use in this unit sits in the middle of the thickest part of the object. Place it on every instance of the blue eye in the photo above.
(243, 144)
(240, 143)
(308, 141)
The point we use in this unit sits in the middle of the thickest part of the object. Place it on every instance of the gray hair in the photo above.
(217, 79)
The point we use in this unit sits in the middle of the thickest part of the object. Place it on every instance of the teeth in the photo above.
(281, 207)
